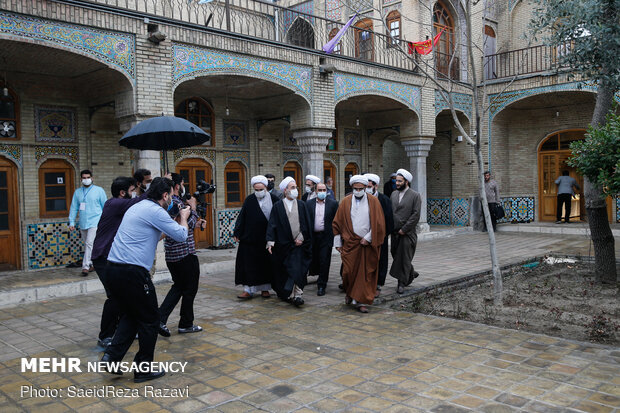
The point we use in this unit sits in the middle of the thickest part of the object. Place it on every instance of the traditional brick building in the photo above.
(76, 75)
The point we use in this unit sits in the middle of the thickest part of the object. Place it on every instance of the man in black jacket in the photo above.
(386, 205)
(322, 210)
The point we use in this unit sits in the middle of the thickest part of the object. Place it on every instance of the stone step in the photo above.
(561, 229)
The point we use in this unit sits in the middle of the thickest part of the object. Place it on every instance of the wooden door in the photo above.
(349, 171)
(329, 170)
(192, 171)
(293, 169)
(9, 217)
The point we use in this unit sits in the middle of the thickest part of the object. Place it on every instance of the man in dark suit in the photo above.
(386, 205)
(322, 210)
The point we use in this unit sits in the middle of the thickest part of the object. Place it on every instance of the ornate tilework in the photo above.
(352, 140)
(112, 48)
(292, 156)
(438, 211)
(459, 212)
(346, 86)
(52, 244)
(191, 62)
(187, 152)
(617, 208)
(235, 134)
(289, 15)
(512, 4)
(69, 152)
(333, 9)
(518, 209)
(437, 166)
(237, 156)
(55, 124)
(225, 225)
(334, 157)
(462, 102)
(12, 151)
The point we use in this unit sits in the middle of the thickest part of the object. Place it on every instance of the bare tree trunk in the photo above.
(596, 205)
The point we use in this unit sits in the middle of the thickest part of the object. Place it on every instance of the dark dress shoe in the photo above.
(84, 273)
(341, 286)
(192, 329)
(400, 289)
(104, 342)
(298, 301)
(163, 330)
(142, 377)
(320, 291)
(107, 359)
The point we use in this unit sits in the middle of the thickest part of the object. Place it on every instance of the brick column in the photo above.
(417, 149)
(312, 143)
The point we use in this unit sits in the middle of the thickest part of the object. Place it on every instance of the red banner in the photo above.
(424, 47)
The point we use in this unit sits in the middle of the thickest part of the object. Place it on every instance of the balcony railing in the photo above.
(526, 61)
(273, 23)
(447, 66)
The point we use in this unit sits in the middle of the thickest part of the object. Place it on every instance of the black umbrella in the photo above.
(164, 133)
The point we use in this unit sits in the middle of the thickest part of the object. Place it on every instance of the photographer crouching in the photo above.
(127, 271)
(183, 264)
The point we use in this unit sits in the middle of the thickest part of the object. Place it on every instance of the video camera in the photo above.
(202, 188)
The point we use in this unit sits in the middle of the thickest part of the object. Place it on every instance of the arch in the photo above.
(292, 168)
(350, 169)
(199, 112)
(301, 33)
(489, 49)
(364, 40)
(9, 113)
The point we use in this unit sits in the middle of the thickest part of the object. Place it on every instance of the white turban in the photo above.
(373, 177)
(259, 179)
(405, 174)
(313, 178)
(358, 179)
(285, 182)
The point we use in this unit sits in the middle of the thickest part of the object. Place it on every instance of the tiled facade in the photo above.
(52, 244)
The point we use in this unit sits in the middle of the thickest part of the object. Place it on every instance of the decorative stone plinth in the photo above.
(312, 143)
(417, 149)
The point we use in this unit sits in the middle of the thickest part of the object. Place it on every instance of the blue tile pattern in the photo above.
(459, 212)
(518, 209)
(12, 151)
(190, 62)
(55, 124)
(69, 152)
(289, 16)
(52, 244)
(235, 134)
(190, 152)
(225, 225)
(438, 211)
(346, 86)
(617, 208)
(237, 156)
(112, 48)
(462, 102)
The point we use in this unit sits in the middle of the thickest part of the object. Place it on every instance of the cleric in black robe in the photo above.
(289, 239)
(253, 267)
(386, 205)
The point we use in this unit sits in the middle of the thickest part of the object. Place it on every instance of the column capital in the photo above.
(417, 146)
(312, 140)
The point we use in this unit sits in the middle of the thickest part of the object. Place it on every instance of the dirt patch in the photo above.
(561, 300)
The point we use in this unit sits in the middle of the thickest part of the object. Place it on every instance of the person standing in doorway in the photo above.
(566, 185)
(492, 191)
(88, 202)
(390, 186)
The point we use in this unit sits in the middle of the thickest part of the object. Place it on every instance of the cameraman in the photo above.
(129, 262)
(184, 268)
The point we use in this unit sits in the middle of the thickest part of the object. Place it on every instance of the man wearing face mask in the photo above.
(406, 204)
(183, 265)
(359, 230)
(310, 188)
(329, 181)
(289, 240)
(253, 265)
(386, 206)
(271, 179)
(129, 280)
(322, 210)
(88, 202)
(390, 186)
(123, 197)
(143, 178)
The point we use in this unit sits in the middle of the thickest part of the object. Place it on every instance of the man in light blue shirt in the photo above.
(88, 201)
(129, 280)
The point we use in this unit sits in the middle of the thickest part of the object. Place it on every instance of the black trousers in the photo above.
(131, 287)
(564, 199)
(111, 314)
(383, 263)
(493, 217)
(321, 257)
(185, 275)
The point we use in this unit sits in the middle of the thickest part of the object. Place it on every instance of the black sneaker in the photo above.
(142, 377)
(192, 329)
(320, 291)
(163, 330)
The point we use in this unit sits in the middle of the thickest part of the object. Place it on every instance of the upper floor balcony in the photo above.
(523, 62)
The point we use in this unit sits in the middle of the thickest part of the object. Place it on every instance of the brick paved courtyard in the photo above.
(267, 355)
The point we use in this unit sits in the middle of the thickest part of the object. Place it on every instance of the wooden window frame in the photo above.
(392, 17)
(16, 119)
(445, 47)
(234, 166)
(338, 46)
(364, 25)
(55, 166)
(200, 115)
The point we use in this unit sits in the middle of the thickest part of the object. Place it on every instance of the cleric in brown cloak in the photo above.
(359, 230)
(289, 239)
(253, 265)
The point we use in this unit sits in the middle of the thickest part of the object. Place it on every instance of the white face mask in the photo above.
(358, 193)
(308, 189)
(134, 194)
(147, 186)
(370, 191)
(87, 182)
(260, 194)
(182, 190)
(293, 193)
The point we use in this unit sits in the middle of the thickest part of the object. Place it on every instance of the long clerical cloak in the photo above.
(290, 263)
(253, 264)
(360, 263)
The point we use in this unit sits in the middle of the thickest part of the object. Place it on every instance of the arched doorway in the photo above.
(349, 170)
(329, 171)
(193, 170)
(553, 152)
(293, 169)
(9, 217)
(301, 33)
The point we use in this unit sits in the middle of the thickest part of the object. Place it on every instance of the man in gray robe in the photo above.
(406, 206)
